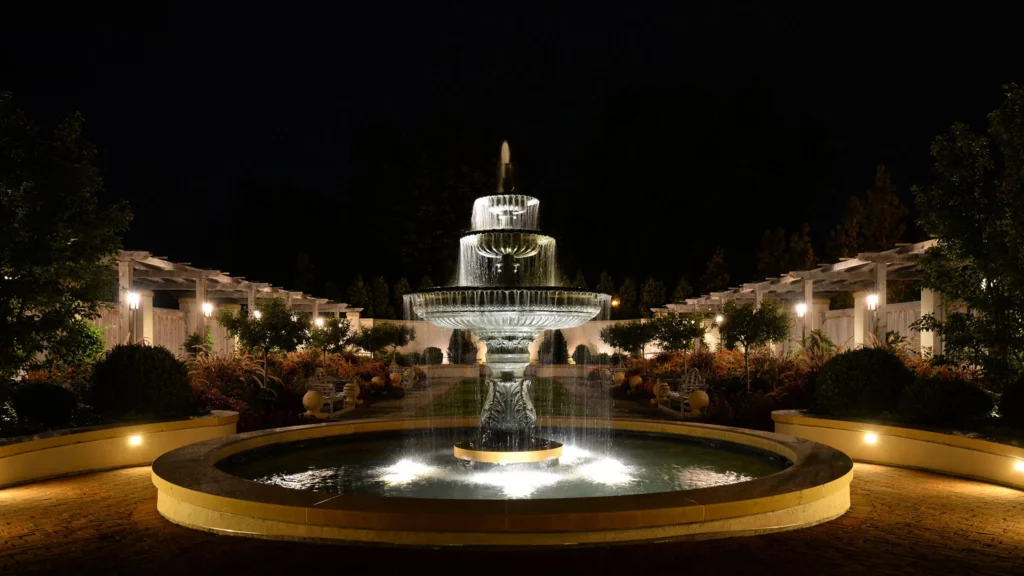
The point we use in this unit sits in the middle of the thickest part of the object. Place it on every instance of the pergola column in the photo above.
(810, 316)
(142, 331)
(316, 310)
(252, 301)
(862, 321)
(199, 316)
(125, 282)
(758, 296)
(882, 321)
(931, 303)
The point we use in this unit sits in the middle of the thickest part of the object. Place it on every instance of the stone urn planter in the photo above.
(313, 401)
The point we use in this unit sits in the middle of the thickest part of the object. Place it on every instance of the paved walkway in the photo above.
(901, 522)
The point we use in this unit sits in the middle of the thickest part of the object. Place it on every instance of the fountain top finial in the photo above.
(505, 170)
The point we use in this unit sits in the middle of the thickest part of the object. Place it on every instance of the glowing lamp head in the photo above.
(615, 302)
(801, 310)
(133, 300)
(719, 319)
(207, 309)
(319, 322)
(872, 301)
(135, 440)
(1019, 465)
(257, 314)
(871, 438)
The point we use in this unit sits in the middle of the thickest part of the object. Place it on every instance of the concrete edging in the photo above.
(194, 493)
(935, 451)
(65, 452)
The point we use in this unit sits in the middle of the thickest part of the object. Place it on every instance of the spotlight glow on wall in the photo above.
(1019, 465)
(133, 300)
(801, 309)
(135, 440)
(871, 438)
(207, 309)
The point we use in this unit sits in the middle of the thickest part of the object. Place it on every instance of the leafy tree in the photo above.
(461, 348)
(875, 223)
(771, 253)
(632, 337)
(359, 296)
(605, 284)
(401, 289)
(752, 327)
(627, 299)
(57, 241)
(652, 295)
(553, 348)
(682, 291)
(333, 292)
(381, 299)
(277, 329)
(581, 355)
(383, 334)
(79, 343)
(716, 276)
(580, 281)
(332, 337)
(975, 207)
(800, 253)
(677, 332)
(426, 283)
(304, 279)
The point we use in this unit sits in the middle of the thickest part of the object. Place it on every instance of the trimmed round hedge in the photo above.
(943, 402)
(433, 356)
(866, 382)
(135, 379)
(44, 404)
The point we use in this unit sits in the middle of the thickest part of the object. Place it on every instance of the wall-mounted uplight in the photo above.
(872, 301)
(319, 322)
(133, 300)
(135, 440)
(207, 309)
(257, 314)
(801, 310)
(1019, 465)
(871, 438)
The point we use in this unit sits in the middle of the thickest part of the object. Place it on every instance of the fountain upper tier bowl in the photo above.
(510, 310)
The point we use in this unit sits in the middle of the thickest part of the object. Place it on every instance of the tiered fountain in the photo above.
(506, 295)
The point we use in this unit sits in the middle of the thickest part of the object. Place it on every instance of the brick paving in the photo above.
(901, 522)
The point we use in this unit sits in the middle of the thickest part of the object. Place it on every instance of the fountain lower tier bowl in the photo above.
(511, 310)
(535, 450)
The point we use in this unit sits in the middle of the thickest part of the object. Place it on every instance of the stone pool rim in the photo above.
(193, 492)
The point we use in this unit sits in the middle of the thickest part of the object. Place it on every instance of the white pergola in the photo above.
(865, 276)
(140, 274)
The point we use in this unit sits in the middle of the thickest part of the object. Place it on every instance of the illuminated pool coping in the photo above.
(194, 493)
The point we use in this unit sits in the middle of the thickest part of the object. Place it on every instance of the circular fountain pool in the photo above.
(399, 465)
(397, 482)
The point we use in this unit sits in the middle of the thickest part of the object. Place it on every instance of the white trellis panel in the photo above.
(169, 329)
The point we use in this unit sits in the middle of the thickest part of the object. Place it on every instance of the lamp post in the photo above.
(207, 309)
(872, 302)
(133, 310)
(801, 311)
(719, 319)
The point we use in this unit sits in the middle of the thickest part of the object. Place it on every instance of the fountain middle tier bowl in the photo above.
(519, 310)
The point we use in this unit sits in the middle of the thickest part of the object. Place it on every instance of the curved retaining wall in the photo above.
(909, 447)
(75, 451)
(194, 493)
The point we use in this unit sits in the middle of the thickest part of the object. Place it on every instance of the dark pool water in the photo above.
(406, 466)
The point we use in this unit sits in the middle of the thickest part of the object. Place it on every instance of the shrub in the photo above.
(135, 379)
(554, 349)
(582, 355)
(1011, 404)
(602, 359)
(461, 348)
(432, 356)
(863, 383)
(44, 404)
(943, 402)
(414, 359)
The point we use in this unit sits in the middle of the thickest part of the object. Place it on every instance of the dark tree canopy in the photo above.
(359, 296)
(57, 241)
(380, 299)
(627, 300)
(605, 284)
(873, 223)
(682, 291)
(975, 208)
(716, 276)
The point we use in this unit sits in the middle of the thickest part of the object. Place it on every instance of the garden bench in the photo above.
(327, 389)
(688, 384)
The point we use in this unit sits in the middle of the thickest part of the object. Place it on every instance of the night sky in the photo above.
(247, 138)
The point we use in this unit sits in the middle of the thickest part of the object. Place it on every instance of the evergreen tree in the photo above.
(716, 277)
(381, 299)
(401, 289)
(800, 253)
(627, 299)
(652, 295)
(605, 284)
(359, 296)
(682, 291)
(580, 281)
(871, 224)
(426, 283)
